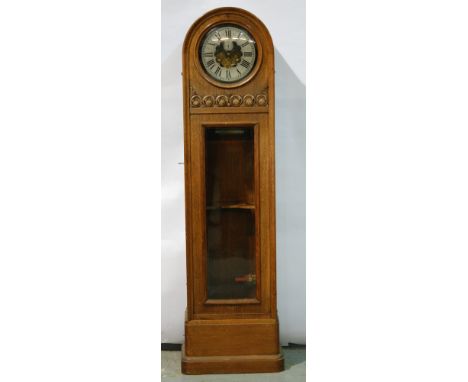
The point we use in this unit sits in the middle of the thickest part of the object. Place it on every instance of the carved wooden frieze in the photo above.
(228, 100)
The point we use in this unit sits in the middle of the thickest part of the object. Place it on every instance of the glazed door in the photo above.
(230, 248)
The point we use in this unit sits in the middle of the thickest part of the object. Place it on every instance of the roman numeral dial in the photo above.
(228, 53)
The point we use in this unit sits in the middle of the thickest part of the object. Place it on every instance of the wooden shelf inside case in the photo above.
(236, 206)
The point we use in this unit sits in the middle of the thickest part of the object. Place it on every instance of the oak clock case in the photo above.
(231, 323)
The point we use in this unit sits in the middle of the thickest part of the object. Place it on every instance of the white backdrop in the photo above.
(387, 174)
(286, 23)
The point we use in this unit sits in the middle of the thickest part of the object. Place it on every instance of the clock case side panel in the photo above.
(187, 172)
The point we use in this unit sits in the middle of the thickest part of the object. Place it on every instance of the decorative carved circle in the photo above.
(208, 100)
(261, 100)
(221, 100)
(228, 100)
(235, 100)
(195, 101)
(249, 100)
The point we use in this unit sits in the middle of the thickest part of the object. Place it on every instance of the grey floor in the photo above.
(295, 370)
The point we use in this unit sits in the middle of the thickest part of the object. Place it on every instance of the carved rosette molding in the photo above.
(228, 100)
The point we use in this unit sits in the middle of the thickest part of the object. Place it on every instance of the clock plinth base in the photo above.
(232, 364)
(231, 346)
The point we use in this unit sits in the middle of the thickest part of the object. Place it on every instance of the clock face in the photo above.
(228, 53)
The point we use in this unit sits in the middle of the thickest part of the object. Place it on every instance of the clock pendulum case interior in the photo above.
(231, 323)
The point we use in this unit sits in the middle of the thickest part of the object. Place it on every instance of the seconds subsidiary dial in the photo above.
(228, 53)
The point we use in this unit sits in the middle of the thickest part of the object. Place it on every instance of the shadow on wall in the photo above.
(290, 133)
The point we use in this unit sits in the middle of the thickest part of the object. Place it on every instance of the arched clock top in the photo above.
(225, 49)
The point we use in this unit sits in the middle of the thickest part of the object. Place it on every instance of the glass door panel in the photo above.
(230, 213)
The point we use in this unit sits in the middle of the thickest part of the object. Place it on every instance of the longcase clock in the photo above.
(231, 323)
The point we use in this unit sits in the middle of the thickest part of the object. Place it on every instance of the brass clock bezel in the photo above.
(220, 84)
